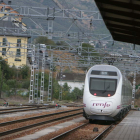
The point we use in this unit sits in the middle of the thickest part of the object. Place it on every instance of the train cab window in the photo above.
(102, 87)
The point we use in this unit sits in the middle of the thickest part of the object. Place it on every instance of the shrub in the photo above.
(25, 71)
(26, 84)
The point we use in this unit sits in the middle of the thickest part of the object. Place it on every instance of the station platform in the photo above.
(39, 134)
(127, 129)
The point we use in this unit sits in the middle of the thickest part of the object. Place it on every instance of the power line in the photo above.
(74, 21)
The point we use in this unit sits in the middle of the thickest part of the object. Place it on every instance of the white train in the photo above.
(107, 94)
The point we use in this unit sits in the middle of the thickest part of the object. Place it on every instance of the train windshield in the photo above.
(102, 87)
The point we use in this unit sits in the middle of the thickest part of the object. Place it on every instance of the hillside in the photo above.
(65, 57)
(63, 24)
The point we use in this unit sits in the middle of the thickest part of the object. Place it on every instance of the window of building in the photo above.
(18, 54)
(2, 9)
(18, 42)
(17, 59)
(3, 51)
(7, 9)
(4, 41)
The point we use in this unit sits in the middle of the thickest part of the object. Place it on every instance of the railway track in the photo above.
(84, 127)
(30, 108)
(22, 109)
(68, 132)
(49, 118)
(101, 135)
(5, 109)
(73, 105)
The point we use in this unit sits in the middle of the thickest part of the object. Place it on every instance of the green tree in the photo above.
(88, 47)
(1, 80)
(26, 83)
(44, 40)
(14, 72)
(66, 92)
(14, 84)
(61, 43)
(46, 80)
(5, 69)
(56, 88)
(76, 93)
(25, 71)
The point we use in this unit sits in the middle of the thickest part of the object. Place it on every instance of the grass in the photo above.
(16, 100)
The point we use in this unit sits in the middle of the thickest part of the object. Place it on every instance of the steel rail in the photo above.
(16, 108)
(22, 110)
(37, 124)
(73, 105)
(36, 117)
(103, 133)
(67, 132)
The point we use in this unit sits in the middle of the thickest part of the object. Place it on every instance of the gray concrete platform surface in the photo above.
(127, 129)
(48, 130)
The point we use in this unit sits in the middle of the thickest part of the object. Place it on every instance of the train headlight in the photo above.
(95, 94)
(108, 95)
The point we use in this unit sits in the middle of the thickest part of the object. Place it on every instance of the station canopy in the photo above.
(122, 18)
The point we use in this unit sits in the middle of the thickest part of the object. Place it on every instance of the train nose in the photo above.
(101, 107)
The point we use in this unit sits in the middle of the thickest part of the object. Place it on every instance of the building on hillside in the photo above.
(72, 79)
(13, 39)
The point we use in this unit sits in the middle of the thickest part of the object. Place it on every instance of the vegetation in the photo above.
(13, 79)
(44, 40)
(89, 48)
(61, 43)
(136, 106)
(67, 94)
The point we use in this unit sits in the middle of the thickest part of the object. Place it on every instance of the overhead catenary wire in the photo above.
(74, 21)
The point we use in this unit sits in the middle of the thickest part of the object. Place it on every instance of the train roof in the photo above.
(104, 71)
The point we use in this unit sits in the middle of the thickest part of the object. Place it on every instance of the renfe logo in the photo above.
(101, 104)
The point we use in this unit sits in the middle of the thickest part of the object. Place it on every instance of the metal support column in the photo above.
(133, 90)
(50, 80)
(42, 77)
(50, 28)
(80, 48)
(31, 95)
(61, 76)
(36, 76)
